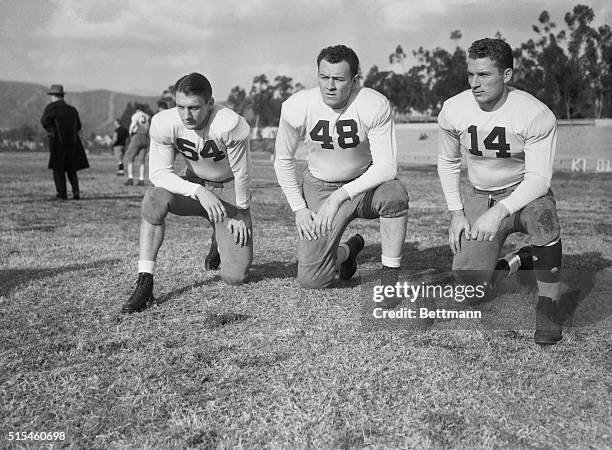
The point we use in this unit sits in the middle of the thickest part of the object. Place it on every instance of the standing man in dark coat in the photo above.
(120, 138)
(67, 153)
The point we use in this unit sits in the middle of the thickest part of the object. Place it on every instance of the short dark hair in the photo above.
(162, 104)
(194, 84)
(338, 53)
(497, 50)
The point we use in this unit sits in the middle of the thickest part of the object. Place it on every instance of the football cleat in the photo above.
(389, 277)
(120, 173)
(129, 182)
(349, 267)
(141, 182)
(548, 324)
(213, 259)
(142, 296)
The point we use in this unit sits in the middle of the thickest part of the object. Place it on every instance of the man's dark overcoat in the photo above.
(63, 124)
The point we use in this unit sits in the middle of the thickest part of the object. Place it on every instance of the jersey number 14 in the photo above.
(496, 140)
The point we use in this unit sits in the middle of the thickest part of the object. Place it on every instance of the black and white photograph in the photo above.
(336, 224)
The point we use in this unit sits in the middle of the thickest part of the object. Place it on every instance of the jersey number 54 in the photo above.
(209, 150)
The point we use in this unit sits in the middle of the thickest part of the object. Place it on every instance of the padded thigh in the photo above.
(539, 220)
(155, 205)
(390, 199)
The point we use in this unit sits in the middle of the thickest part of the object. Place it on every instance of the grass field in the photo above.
(270, 364)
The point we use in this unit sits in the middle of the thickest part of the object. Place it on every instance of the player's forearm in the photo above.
(287, 179)
(532, 187)
(240, 164)
(449, 172)
(539, 161)
(243, 191)
(376, 175)
(161, 171)
(171, 182)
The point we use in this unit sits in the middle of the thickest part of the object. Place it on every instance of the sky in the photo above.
(143, 46)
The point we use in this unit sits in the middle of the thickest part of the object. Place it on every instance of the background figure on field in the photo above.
(120, 138)
(139, 144)
(67, 154)
(161, 105)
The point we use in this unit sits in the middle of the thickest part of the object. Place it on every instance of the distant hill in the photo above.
(23, 104)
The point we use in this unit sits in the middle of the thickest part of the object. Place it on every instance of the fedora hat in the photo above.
(56, 89)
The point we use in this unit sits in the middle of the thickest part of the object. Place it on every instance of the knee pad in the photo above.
(155, 205)
(391, 199)
(544, 227)
(547, 262)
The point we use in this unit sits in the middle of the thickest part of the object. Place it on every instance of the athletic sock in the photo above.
(146, 266)
(391, 261)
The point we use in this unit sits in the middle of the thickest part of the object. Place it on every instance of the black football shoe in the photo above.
(213, 259)
(349, 267)
(142, 297)
(129, 182)
(389, 277)
(548, 323)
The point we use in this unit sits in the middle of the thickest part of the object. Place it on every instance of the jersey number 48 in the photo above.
(347, 134)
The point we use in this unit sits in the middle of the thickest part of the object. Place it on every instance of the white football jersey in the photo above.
(217, 152)
(354, 143)
(514, 144)
(140, 123)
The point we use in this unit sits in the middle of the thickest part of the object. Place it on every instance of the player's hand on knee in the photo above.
(304, 222)
(483, 230)
(486, 226)
(211, 204)
(324, 218)
(459, 224)
(240, 229)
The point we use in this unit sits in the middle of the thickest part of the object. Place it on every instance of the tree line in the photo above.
(567, 67)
